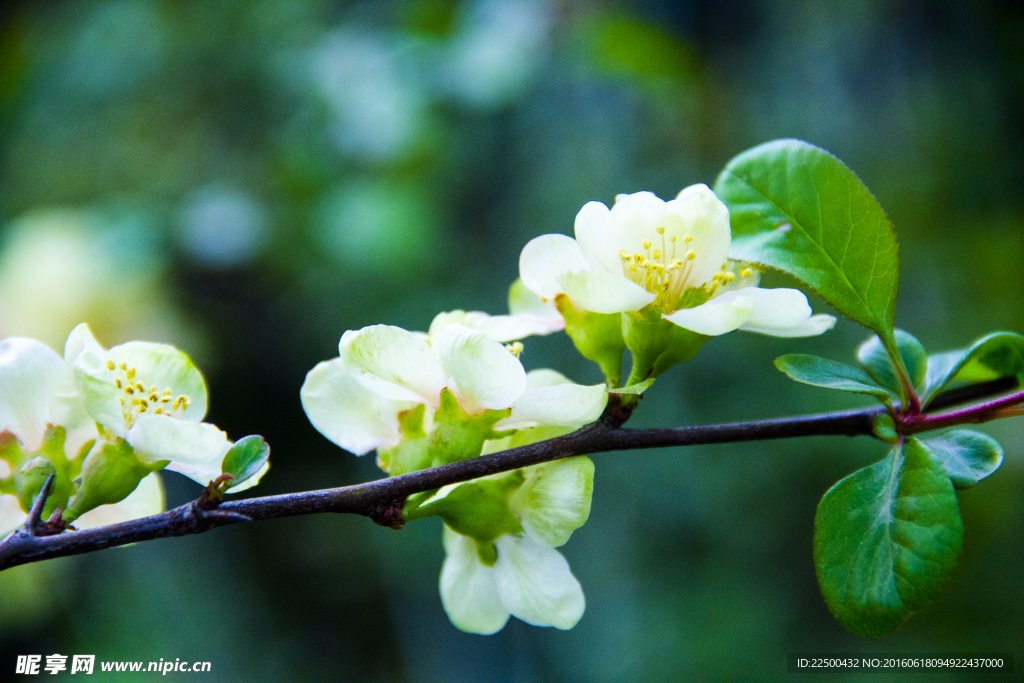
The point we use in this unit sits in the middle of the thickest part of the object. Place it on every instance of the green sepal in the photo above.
(656, 344)
(478, 509)
(597, 336)
(997, 355)
(873, 356)
(457, 436)
(246, 458)
(968, 456)
(51, 449)
(885, 428)
(110, 473)
(831, 374)
(886, 540)
(410, 455)
(634, 389)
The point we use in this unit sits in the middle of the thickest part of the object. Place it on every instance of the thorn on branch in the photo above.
(34, 524)
(389, 514)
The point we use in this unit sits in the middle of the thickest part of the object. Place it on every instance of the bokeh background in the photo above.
(249, 180)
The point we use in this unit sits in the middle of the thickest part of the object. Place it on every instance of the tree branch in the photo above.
(382, 500)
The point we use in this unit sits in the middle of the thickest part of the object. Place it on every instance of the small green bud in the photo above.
(29, 480)
(885, 428)
(110, 473)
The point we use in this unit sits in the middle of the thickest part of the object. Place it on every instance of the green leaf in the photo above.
(634, 389)
(968, 456)
(1000, 354)
(886, 540)
(245, 459)
(873, 356)
(797, 208)
(830, 374)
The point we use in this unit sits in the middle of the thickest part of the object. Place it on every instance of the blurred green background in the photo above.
(249, 180)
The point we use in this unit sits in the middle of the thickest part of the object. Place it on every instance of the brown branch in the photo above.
(382, 500)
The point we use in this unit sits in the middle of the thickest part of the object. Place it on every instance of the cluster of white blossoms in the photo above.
(103, 422)
(426, 399)
(458, 391)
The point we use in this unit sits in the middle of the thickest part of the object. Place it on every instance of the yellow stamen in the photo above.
(110, 365)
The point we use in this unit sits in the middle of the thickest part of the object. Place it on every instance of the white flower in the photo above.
(36, 392)
(528, 578)
(152, 396)
(355, 400)
(669, 255)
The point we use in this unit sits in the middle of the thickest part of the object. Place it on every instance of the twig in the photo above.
(382, 499)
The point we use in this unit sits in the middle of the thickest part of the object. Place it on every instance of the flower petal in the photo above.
(604, 292)
(394, 363)
(80, 339)
(554, 500)
(718, 316)
(813, 326)
(195, 449)
(506, 328)
(632, 222)
(699, 213)
(546, 257)
(32, 378)
(783, 312)
(468, 589)
(484, 375)
(522, 301)
(596, 239)
(500, 328)
(147, 499)
(545, 377)
(100, 397)
(348, 413)
(535, 583)
(567, 405)
(165, 367)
